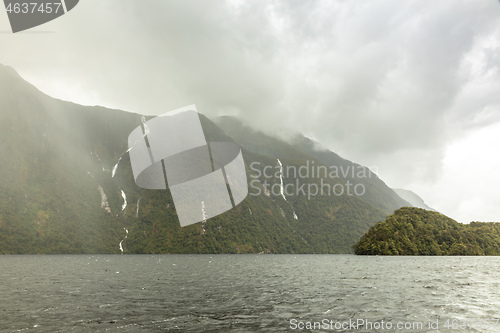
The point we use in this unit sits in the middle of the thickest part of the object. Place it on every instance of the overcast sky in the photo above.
(410, 87)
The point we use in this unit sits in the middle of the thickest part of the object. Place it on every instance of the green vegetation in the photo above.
(416, 231)
(55, 157)
(301, 148)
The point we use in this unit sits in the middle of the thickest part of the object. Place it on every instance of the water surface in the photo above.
(242, 293)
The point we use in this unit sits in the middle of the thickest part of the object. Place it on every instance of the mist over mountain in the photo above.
(67, 187)
(377, 193)
(412, 198)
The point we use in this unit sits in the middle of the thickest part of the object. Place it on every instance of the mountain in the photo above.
(67, 187)
(54, 157)
(301, 148)
(412, 198)
(416, 231)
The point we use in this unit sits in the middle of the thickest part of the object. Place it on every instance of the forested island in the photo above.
(416, 231)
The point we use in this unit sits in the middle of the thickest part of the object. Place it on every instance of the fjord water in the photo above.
(241, 293)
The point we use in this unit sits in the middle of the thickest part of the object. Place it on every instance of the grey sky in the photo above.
(411, 87)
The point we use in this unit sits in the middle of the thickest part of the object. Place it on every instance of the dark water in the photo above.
(244, 293)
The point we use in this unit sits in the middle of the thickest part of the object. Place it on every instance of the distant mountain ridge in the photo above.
(412, 198)
(67, 187)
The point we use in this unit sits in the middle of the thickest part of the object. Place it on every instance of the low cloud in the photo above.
(387, 83)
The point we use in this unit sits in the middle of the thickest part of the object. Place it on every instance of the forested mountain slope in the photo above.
(67, 187)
